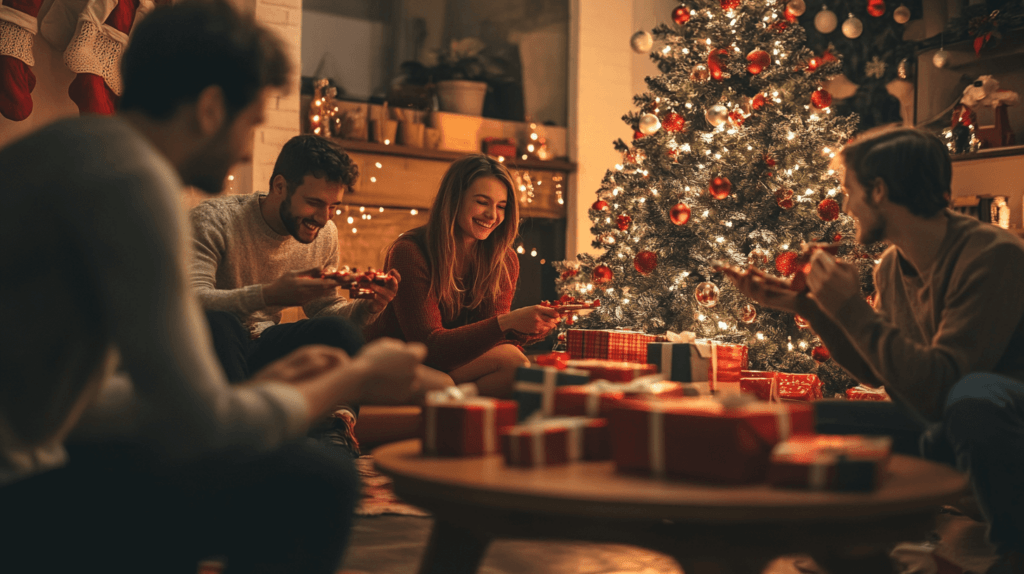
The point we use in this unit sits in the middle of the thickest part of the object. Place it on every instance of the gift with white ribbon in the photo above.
(830, 462)
(534, 388)
(554, 441)
(456, 422)
(598, 398)
(686, 360)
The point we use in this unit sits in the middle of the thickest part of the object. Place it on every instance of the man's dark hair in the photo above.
(313, 155)
(913, 164)
(178, 51)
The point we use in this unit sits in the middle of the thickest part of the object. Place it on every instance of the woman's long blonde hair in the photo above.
(489, 264)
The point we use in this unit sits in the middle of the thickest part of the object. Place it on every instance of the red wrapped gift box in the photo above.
(612, 345)
(464, 426)
(598, 399)
(698, 360)
(830, 462)
(862, 393)
(615, 371)
(555, 441)
(705, 439)
(774, 386)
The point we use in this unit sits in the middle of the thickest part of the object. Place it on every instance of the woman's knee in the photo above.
(510, 358)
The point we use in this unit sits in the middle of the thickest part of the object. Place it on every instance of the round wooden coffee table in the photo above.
(706, 528)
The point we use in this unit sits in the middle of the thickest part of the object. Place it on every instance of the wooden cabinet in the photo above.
(993, 172)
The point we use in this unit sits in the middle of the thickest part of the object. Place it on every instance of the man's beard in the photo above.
(876, 232)
(292, 223)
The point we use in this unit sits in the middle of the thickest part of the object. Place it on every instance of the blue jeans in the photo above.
(982, 432)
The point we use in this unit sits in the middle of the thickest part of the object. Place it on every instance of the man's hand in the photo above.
(767, 290)
(383, 294)
(832, 282)
(390, 371)
(296, 288)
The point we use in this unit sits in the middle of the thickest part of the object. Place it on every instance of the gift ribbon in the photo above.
(537, 432)
(546, 388)
(817, 478)
(656, 440)
(462, 395)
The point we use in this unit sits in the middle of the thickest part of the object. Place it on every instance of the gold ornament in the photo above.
(749, 313)
(707, 294)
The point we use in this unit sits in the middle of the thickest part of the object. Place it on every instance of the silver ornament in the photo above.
(853, 27)
(901, 14)
(642, 42)
(941, 58)
(825, 21)
(716, 115)
(796, 7)
(649, 123)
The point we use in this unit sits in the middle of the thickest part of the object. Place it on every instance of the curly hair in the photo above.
(313, 155)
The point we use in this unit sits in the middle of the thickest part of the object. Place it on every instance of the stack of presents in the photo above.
(662, 406)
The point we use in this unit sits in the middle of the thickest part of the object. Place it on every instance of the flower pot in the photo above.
(461, 96)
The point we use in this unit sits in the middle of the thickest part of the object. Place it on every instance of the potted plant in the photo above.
(461, 73)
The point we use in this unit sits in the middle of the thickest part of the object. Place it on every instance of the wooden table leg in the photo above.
(453, 549)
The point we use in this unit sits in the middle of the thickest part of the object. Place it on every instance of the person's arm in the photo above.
(209, 245)
(982, 309)
(419, 315)
(843, 352)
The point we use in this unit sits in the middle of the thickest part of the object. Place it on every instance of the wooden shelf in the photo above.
(1006, 151)
(449, 155)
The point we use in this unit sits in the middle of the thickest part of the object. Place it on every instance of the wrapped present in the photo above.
(863, 393)
(830, 462)
(799, 387)
(555, 441)
(722, 439)
(686, 360)
(456, 422)
(615, 371)
(556, 360)
(762, 384)
(534, 388)
(609, 344)
(597, 399)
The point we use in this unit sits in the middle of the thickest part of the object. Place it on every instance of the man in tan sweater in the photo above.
(945, 336)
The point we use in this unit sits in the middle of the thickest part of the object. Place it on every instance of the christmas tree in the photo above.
(731, 162)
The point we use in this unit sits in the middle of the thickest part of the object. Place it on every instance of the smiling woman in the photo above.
(459, 274)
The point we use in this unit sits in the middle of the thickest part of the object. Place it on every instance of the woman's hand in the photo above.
(533, 320)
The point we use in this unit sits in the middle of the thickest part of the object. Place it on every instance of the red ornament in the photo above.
(736, 119)
(623, 222)
(758, 101)
(716, 62)
(730, 4)
(821, 99)
(602, 274)
(779, 26)
(837, 238)
(757, 61)
(769, 161)
(600, 205)
(784, 198)
(680, 214)
(828, 209)
(637, 134)
(813, 63)
(785, 263)
(827, 57)
(791, 17)
(876, 8)
(569, 273)
(645, 262)
(681, 15)
(820, 354)
(673, 122)
(720, 187)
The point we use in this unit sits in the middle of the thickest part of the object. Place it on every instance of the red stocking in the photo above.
(18, 26)
(97, 87)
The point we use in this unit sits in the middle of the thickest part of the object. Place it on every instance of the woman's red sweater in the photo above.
(414, 314)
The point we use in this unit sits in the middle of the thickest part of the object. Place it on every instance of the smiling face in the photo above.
(306, 211)
(869, 218)
(482, 209)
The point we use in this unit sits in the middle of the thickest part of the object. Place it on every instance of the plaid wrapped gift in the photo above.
(609, 344)
(863, 393)
(793, 387)
(689, 362)
(458, 423)
(555, 441)
(721, 439)
(830, 462)
(534, 388)
(599, 398)
(615, 371)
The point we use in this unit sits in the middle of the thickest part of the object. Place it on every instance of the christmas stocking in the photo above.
(94, 52)
(18, 27)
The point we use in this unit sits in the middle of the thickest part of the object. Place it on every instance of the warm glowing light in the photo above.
(520, 250)
(378, 165)
(351, 220)
(373, 179)
(533, 252)
(413, 212)
(337, 212)
(760, 336)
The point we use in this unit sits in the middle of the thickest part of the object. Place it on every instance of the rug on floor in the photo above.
(378, 496)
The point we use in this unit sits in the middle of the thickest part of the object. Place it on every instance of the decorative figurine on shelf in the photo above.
(985, 93)
(319, 118)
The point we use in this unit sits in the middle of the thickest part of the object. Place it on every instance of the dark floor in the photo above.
(394, 544)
